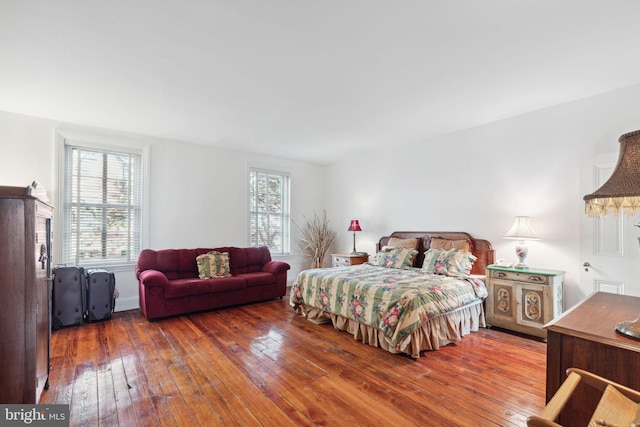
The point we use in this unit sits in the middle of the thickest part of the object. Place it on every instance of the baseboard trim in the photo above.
(129, 303)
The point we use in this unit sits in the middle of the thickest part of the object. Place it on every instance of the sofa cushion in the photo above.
(258, 279)
(246, 260)
(184, 287)
(174, 263)
(226, 284)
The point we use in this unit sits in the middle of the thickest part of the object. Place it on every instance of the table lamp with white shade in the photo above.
(521, 231)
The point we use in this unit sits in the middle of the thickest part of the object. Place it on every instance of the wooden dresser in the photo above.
(345, 260)
(585, 337)
(25, 224)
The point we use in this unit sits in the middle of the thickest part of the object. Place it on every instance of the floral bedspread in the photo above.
(396, 301)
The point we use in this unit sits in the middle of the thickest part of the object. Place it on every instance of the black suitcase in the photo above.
(101, 286)
(69, 296)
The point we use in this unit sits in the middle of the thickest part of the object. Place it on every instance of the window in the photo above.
(102, 206)
(269, 210)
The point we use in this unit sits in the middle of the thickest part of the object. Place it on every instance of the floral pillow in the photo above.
(395, 258)
(213, 265)
(453, 262)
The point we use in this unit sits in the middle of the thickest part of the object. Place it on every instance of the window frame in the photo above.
(103, 143)
(286, 204)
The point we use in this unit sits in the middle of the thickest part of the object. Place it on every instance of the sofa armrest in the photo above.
(275, 267)
(153, 278)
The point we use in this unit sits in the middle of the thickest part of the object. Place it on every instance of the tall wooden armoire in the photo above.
(25, 289)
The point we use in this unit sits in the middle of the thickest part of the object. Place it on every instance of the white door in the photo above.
(609, 246)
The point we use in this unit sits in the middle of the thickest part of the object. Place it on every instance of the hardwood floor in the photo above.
(263, 364)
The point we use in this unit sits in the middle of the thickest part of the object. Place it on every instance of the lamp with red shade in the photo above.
(354, 226)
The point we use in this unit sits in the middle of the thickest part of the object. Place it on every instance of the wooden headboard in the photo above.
(482, 249)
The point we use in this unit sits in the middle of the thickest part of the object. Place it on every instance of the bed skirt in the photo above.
(438, 331)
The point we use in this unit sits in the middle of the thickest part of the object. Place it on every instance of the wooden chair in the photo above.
(619, 405)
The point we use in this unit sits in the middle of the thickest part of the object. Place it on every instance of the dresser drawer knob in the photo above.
(501, 274)
(536, 279)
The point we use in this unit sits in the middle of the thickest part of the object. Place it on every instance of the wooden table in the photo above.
(585, 337)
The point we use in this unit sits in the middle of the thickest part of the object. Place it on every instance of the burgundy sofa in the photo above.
(169, 283)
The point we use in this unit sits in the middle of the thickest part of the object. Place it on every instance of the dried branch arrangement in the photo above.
(316, 238)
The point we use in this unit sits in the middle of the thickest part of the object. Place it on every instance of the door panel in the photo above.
(608, 245)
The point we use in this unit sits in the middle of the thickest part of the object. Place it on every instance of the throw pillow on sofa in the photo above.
(204, 266)
(213, 265)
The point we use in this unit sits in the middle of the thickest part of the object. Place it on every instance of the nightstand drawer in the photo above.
(340, 261)
(524, 276)
(345, 260)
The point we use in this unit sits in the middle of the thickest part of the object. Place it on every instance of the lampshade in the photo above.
(354, 225)
(622, 189)
(521, 230)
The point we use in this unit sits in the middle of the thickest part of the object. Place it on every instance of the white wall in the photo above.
(478, 180)
(26, 151)
(198, 194)
(475, 181)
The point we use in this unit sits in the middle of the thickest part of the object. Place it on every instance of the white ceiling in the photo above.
(310, 80)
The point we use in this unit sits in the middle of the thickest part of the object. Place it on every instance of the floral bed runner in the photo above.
(396, 301)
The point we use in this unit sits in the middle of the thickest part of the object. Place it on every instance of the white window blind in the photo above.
(269, 210)
(102, 206)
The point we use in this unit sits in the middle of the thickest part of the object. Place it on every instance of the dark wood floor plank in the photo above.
(265, 372)
(154, 376)
(384, 388)
(459, 396)
(304, 357)
(118, 346)
(124, 405)
(203, 373)
(107, 410)
(257, 395)
(63, 364)
(177, 357)
(84, 399)
(263, 364)
(193, 340)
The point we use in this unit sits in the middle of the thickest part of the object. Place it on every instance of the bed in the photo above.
(421, 290)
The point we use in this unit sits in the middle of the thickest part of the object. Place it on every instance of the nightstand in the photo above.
(523, 300)
(345, 260)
